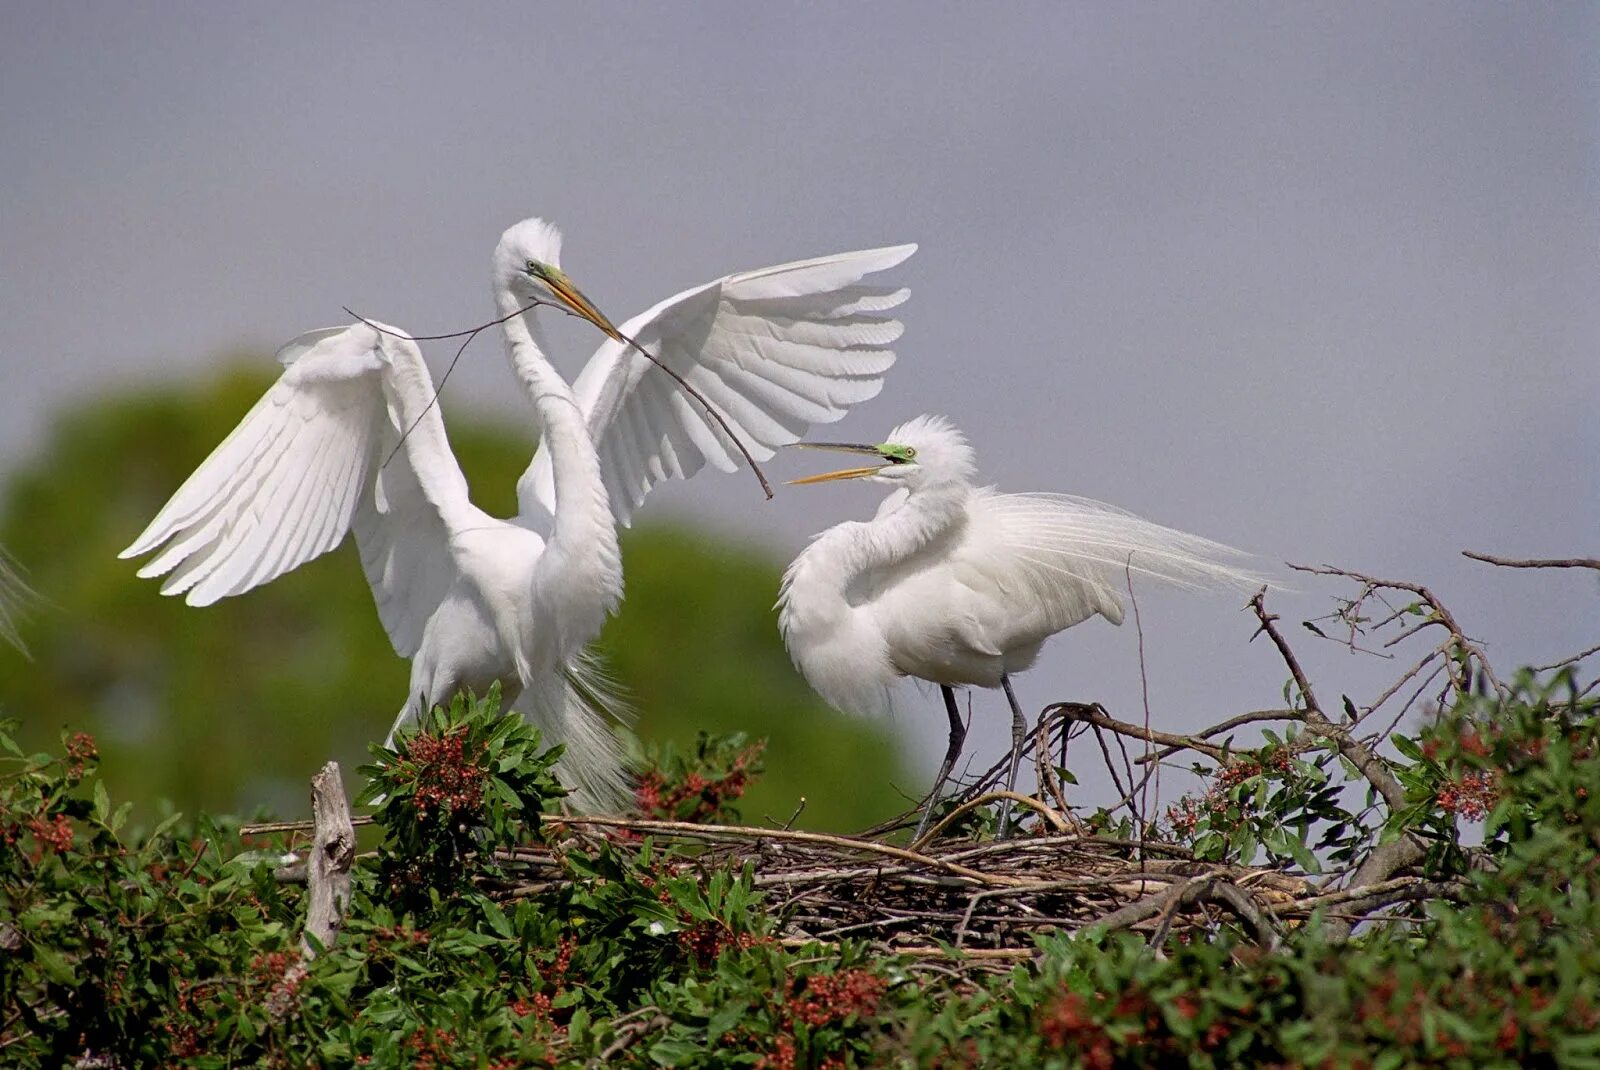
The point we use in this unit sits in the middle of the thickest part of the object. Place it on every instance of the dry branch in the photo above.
(333, 852)
(972, 904)
(1534, 562)
(1374, 768)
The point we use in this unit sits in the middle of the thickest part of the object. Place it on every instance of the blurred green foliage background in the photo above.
(232, 707)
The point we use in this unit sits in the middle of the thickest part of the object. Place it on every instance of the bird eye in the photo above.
(911, 453)
(533, 267)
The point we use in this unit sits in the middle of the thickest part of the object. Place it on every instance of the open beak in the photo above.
(577, 304)
(843, 473)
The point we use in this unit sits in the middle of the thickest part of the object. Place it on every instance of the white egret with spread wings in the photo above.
(960, 585)
(349, 439)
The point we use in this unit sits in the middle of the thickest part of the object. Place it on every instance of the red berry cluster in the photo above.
(541, 1005)
(80, 752)
(658, 796)
(383, 933)
(705, 941)
(701, 941)
(449, 780)
(827, 999)
(182, 1027)
(818, 1001)
(1068, 1024)
(430, 1048)
(277, 972)
(1405, 1016)
(53, 835)
(1184, 815)
(1093, 1029)
(1471, 795)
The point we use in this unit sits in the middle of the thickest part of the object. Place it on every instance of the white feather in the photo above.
(774, 351)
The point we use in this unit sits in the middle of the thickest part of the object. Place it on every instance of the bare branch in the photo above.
(1167, 904)
(1534, 562)
(333, 852)
(1374, 768)
(1096, 715)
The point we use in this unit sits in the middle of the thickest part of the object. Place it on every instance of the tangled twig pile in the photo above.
(960, 899)
(980, 901)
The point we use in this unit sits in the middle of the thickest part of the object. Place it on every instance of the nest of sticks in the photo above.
(977, 902)
(980, 902)
(960, 900)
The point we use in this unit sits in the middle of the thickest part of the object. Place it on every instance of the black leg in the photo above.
(1019, 733)
(958, 736)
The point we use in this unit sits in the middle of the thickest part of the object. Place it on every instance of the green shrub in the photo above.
(178, 945)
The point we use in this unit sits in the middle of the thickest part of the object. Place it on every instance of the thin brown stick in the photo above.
(1438, 615)
(934, 951)
(468, 336)
(1267, 620)
(1029, 801)
(1572, 660)
(1534, 562)
(711, 411)
(1096, 715)
(270, 828)
(1239, 721)
(689, 828)
(761, 477)
(629, 1033)
(1363, 757)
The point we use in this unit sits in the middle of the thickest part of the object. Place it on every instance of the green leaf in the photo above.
(1302, 855)
(496, 918)
(673, 1051)
(1407, 747)
(56, 966)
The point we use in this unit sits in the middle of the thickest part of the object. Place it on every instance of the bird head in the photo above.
(527, 268)
(919, 453)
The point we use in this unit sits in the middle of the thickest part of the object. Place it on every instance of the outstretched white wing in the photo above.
(309, 462)
(774, 350)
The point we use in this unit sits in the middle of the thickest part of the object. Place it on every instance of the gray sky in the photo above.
(1319, 282)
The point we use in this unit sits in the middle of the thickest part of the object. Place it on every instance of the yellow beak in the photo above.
(843, 473)
(580, 305)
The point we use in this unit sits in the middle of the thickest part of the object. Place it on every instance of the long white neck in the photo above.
(842, 557)
(839, 646)
(583, 539)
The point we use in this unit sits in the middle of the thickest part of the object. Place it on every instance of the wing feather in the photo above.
(312, 460)
(774, 351)
(1076, 552)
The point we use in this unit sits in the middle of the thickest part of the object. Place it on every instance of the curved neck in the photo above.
(847, 552)
(582, 533)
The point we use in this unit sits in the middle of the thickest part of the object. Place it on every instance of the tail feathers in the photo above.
(15, 598)
(409, 714)
(579, 710)
(1079, 536)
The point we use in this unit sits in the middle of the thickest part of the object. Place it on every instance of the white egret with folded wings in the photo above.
(960, 585)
